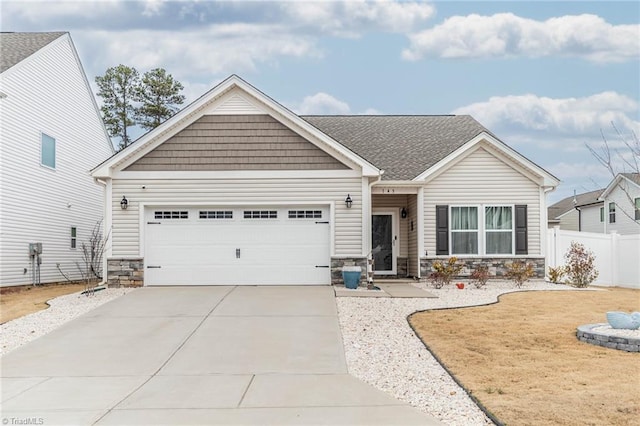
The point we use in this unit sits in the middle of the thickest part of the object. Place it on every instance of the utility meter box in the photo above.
(35, 249)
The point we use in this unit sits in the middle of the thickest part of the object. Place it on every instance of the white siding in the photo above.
(624, 224)
(590, 219)
(47, 92)
(347, 226)
(482, 178)
(570, 220)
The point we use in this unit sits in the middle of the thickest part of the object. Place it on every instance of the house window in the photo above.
(260, 214)
(305, 214)
(601, 214)
(216, 214)
(171, 214)
(470, 231)
(612, 212)
(464, 230)
(636, 202)
(48, 151)
(498, 230)
(73, 237)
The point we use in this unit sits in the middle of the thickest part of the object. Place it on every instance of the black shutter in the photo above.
(522, 243)
(442, 230)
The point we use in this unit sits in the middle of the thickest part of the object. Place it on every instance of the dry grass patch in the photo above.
(25, 300)
(522, 360)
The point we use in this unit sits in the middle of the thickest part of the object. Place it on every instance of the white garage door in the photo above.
(237, 245)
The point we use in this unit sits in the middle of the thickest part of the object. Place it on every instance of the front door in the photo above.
(384, 242)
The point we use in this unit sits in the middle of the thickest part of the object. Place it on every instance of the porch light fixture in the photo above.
(124, 203)
(403, 213)
(348, 201)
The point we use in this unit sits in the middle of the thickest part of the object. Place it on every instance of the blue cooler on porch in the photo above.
(351, 276)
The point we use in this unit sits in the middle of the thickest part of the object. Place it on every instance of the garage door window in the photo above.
(305, 214)
(182, 214)
(216, 214)
(260, 214)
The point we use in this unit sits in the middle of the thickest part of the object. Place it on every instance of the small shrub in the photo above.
(580, 269)
(519, 272)
(480, 276)
(556, 274)
(443, 272)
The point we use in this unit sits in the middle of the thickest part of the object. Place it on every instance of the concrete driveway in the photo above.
(197, 355)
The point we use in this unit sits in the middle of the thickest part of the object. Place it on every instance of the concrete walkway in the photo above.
(197, 355)
(386, 289)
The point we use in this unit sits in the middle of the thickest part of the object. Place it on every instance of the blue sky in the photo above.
(545, 77)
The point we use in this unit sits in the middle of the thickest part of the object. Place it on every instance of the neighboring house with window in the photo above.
(622, 203)
(580, 212)
(237, 189)
(52, 135)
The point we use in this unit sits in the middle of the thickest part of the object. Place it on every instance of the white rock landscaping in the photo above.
(61, 310)
(382, 350)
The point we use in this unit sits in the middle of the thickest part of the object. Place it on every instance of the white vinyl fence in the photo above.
(617, 256)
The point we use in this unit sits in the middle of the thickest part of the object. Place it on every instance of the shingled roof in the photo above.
(561, 207)
(15, 47)
(403, 146)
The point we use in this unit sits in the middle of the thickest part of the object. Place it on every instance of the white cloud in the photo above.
(153, 7)
(569, 117)
(352, 18)
(217, 49)
(322, 103)
(505, 35)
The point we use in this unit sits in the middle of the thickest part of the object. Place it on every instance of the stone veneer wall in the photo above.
(338, 262)
(497, 266)
(585, 333)
(402, 267)
(125, 272)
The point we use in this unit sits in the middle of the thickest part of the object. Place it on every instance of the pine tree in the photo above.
(159, 95)
(117, 88)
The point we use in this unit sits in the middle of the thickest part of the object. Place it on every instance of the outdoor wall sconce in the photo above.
(403, 213)
(348, 201)
(124, 203)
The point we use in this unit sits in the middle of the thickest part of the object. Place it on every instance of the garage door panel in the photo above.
(272, 251)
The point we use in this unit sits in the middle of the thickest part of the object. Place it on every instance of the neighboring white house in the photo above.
(580, 212)
(237, 189)
(615, 208)
(52, 135)
(622, 203)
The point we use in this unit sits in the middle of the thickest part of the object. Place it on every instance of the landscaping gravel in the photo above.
(61, 310)
(617, 332)
(382, 350)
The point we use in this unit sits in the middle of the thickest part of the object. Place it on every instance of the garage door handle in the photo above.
(237, 253)
(322, 266)
(154, 267)
(322, 222)
(154, 223)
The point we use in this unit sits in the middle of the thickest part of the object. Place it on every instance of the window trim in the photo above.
(602, 214)
(482, 231)
(55, 145)
(477, 231)
(612, 212)
(636, 204)
(74, 237)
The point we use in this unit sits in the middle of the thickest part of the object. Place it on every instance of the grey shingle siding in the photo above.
(403, 146)
(15, 47)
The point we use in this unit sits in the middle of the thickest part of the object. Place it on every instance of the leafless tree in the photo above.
(620, 156)
(93, 252)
